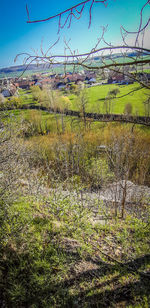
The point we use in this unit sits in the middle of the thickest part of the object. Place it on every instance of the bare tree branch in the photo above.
(72, 11)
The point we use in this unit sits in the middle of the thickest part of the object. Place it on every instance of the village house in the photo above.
(8, 91)
(115, 78)
(24, 84)
(42, 82)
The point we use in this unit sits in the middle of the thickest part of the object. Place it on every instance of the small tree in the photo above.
(108, 100)
(2, 101)
(128, 109)
(127, 162)
(64, 103)
(147, 107)
(113, 93)
(82, 102)
(36, 91)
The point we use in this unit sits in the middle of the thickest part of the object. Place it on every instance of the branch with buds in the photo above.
(74, 11)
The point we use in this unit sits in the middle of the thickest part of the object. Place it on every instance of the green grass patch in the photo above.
(26, 97)
(53, 256)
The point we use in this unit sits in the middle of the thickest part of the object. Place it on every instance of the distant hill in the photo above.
(21, 68)
(58, 68)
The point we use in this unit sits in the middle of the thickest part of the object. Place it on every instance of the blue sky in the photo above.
(18, 36)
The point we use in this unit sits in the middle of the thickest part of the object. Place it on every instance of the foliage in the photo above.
(74, 88)
(64, 102)
(99, 172)
(146, 104)
(124, 155)
(128, 109)
(114, 92)
(36, 91)
(11, 103)
(2, 99)
(34, 124)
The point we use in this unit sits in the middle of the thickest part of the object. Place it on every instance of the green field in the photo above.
(96, 97)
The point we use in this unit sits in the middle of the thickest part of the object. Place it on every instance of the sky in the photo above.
(18, 36)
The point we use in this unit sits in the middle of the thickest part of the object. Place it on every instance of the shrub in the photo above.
(128, 109)
(10, 103)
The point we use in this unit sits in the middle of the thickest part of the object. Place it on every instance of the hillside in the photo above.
(31, 68)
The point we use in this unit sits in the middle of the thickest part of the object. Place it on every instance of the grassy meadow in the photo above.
(97, 95)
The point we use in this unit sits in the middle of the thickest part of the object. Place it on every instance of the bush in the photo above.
(128, 109)
(11, 103)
